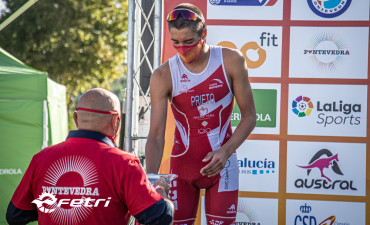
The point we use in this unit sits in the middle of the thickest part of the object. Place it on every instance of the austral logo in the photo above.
(244, 2)
(327, 51)
(323, 161)
(329, 8)
(306, 219)
(256, 167)
(329, 113)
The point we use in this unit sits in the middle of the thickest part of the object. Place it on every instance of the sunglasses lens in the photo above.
(186, 15)
(173, 15)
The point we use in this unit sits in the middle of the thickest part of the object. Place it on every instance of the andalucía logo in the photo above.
(302, 106)
(324, 159)
(329, 113)
(244, 2)
(306, 219)
(329, 8)
(256, 167)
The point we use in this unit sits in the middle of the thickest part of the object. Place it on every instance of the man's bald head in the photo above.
(96, 99)
(99, 99)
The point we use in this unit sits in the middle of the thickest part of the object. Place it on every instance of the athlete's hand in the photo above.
(162, 187)
(218, 161)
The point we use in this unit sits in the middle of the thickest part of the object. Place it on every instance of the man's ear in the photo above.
(75, 118)
(118, 122)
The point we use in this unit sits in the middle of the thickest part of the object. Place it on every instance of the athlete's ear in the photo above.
(204, 33)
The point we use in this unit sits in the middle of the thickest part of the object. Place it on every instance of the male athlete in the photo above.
(200, 82)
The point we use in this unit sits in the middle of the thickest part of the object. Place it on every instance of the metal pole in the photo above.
(130, 73)
(17, 13)
(157, 33)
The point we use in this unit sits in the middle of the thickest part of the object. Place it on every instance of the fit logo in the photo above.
(254, 54)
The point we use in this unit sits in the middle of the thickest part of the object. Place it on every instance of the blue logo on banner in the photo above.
(329, 8)
(243, 2)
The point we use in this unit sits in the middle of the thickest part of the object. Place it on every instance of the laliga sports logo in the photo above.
(302, 106)
(329, 8)
(254, 54)
(244, 2)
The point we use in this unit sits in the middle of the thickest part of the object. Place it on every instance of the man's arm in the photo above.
(160, 213)
(149, 205)
(160, 90)
(236, 68)
(15, 216)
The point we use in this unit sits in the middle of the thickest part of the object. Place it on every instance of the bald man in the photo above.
(86, 179)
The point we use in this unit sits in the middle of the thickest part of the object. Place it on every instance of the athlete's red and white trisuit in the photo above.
(202, 104)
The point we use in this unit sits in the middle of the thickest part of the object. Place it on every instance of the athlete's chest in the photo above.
(199, 92)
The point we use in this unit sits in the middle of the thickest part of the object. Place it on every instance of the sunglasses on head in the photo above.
(186, 14)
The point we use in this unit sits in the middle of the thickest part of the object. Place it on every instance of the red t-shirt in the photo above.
(87, 181)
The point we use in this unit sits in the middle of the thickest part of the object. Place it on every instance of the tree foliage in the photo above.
(81, 44)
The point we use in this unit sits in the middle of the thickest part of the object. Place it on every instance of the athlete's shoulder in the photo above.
(232, 55)
(161, 79)
(163, 71)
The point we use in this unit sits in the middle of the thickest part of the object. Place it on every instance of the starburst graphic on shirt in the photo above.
(87, 170)
(79, 164)
(71, 216)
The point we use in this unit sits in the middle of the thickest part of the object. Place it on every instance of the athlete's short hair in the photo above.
(196, 26)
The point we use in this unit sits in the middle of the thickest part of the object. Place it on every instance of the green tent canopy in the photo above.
(33, 115)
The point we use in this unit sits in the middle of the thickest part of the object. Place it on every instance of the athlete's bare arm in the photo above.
(236, 70)
(160, 91)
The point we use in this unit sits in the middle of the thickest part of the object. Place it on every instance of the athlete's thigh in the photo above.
(221, 199)
(185, 198)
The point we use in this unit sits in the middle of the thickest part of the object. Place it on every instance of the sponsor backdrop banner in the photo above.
(306, 162)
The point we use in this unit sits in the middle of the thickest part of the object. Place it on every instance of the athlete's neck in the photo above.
(201, 62)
